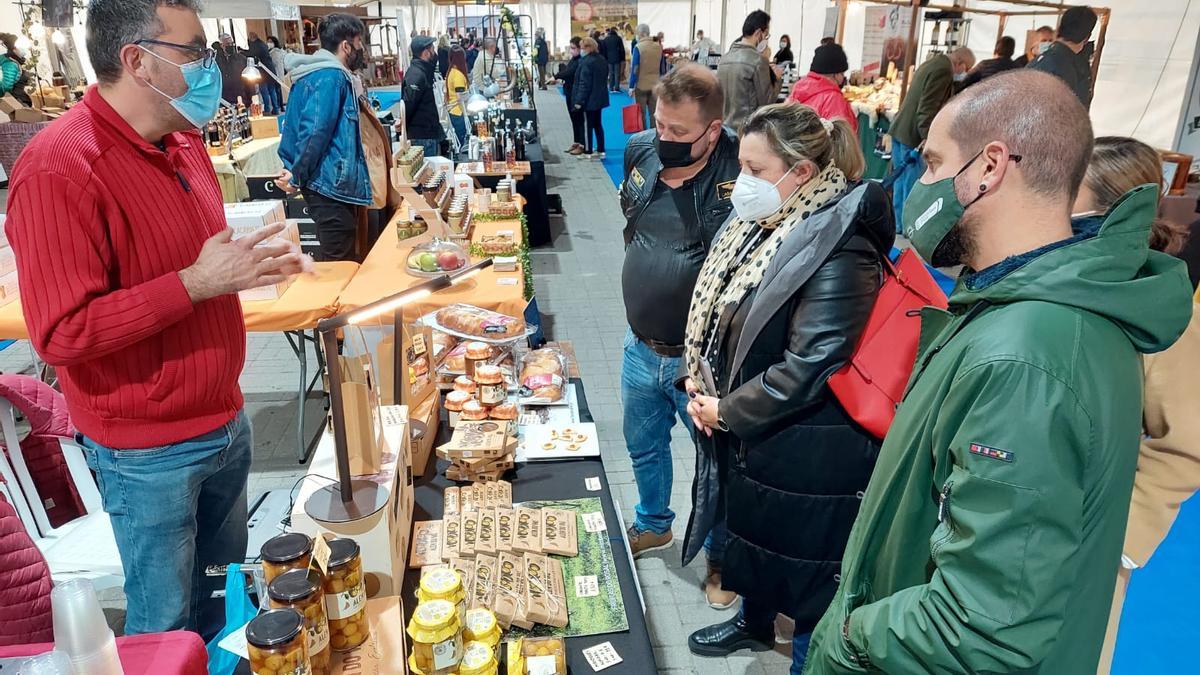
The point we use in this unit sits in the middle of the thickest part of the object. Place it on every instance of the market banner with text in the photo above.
(592, 15)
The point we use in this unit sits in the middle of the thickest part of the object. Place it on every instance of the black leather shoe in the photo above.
(727, 637)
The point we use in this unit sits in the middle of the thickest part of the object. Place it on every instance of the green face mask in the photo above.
(932, 210)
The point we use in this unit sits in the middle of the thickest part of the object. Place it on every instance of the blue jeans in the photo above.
(909, 165)
(460, 128)
(432, 146)
(614, 77)
(176, 510)
(272, 97)
(651, 403)
(760, 617)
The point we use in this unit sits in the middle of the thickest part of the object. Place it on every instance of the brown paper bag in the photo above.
(360, 409)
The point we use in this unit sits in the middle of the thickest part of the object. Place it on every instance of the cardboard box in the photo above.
(505, 529)
(484, 592)
(385, 651)
(426, 413)
(527, 534)
(28, 116)
(263, 187)
(470, 534)
(383, 536)
(264, 127)
(475, 440)
(294, 206)
(426, 543)
(452, 534)
(544, 603)
(307, 229)
(247, 217)
(510, 585)
(450, 500)
(9, 104)
(466, 571)
(560, 534)
(485, 543)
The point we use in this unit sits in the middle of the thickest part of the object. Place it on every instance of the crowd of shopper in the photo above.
(755, 250)
(957, 518)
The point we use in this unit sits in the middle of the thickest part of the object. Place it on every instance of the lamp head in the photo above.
(251, 73)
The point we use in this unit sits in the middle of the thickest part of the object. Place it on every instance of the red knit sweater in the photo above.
(101, 223)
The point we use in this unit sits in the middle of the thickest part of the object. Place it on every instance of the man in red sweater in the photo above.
(128, 284)
(821, 89)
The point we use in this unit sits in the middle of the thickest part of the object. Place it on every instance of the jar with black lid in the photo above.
(278, 644)
(291, 551)
(302, 590)
(346, 596)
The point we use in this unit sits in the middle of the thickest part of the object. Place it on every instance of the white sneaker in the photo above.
(598, 155)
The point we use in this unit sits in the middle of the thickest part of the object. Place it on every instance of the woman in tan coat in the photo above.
(1168, 468)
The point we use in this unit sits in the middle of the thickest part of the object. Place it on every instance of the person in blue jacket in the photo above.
(590, 94)
(321, 146)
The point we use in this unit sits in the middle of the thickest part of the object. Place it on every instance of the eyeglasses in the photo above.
(207, 54)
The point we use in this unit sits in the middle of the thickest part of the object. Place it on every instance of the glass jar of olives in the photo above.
(436, 633)
(345, 596)
(291, 551)
(444, 584)
(301, 590)
(478, 659)
(481, 626)
(278, 644)
(540, 653)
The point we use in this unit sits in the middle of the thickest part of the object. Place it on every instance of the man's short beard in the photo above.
(959, 245)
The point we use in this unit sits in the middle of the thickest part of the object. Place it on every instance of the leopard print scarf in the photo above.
(739, 259)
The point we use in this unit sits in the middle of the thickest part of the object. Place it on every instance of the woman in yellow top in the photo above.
(1168, 467)
(456, 91)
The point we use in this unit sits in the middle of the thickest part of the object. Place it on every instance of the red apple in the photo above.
(449, 260)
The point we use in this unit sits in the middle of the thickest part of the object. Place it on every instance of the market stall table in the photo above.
(258, 157)
(559, 480)
(383, 273)
(310, 298)
(532, 188)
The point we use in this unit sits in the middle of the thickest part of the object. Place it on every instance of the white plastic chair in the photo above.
(82, 548)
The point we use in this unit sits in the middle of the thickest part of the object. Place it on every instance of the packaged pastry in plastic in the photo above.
(469, 321)
(543, 376)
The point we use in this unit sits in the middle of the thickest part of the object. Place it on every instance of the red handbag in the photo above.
(633, 119)
(871, 384)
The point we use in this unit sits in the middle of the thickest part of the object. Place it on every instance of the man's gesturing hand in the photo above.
(227, 266)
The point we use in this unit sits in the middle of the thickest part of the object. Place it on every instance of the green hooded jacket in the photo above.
(989, 538)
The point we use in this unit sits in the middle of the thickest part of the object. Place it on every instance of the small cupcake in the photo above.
(455, 400)
(505, 411)
(464, 383)
(489, 375)
(473, 411)
(479, 350)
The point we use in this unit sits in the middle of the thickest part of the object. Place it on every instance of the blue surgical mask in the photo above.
(200, 102)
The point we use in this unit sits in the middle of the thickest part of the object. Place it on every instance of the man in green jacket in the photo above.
(932, 85)
(990, 535)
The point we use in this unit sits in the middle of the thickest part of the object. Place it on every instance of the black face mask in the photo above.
(676, 154)
(358, 59)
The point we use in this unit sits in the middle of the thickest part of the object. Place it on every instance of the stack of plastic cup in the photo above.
(80, 630)
(52, 662)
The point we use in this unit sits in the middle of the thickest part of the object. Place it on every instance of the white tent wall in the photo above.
(671, 17)
(708, 19)
(554, 16)
(735, 14)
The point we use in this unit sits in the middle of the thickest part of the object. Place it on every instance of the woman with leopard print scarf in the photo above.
(779, 306)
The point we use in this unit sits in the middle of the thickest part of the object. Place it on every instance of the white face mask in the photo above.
(755, 198)
(959, 77)
(762, 45)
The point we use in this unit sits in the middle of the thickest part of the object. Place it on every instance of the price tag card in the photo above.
(587, 586)
(507, 281)
(592, 483)
(235, 643)
(320, 554)
(602, 656)
(541, 665)
(418, 343)
(594, 522)
(528, 419)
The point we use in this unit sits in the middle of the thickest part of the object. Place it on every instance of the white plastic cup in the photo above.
(53, 662)
(80, 630)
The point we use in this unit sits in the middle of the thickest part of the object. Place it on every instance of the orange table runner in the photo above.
(310, 298)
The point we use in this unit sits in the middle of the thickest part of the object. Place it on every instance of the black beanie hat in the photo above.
(1077, 23)
(829, 59)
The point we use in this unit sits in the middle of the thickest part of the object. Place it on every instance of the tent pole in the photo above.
(910, 64)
